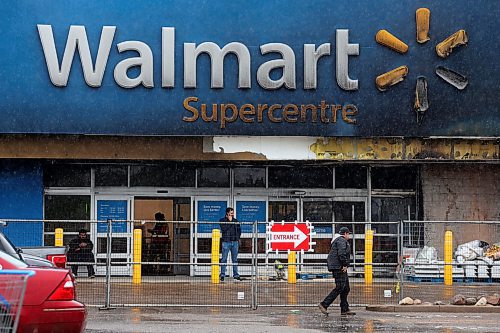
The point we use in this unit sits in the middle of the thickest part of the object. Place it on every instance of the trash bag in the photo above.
(427, 253)
(470, 250)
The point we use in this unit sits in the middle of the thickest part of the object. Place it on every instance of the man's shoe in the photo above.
(322, 308)
(348, 313)
(237, 278)
(221, 279)
(92, 277)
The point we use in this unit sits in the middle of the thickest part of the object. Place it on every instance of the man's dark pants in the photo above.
(341, 288)
(90, 269)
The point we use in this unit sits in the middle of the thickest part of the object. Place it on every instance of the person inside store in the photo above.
(159, 247)
(338, 261)
(159, 228)
(80, 251)
(230, 238)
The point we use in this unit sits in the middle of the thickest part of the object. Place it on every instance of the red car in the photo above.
(49, 303)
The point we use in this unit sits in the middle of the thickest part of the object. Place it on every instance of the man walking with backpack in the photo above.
(338, 261)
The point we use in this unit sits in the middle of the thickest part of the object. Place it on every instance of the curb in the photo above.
(434, 308)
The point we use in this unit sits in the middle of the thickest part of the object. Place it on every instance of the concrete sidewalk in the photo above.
(434, 308)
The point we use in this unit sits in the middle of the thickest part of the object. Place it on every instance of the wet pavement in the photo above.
(282, 320)
(184, 291)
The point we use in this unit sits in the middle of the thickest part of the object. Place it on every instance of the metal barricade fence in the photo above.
(441, 259)
(12, 290)
(168, 279)
(171, 263)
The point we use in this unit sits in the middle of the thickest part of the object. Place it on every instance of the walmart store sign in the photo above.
(233, 68)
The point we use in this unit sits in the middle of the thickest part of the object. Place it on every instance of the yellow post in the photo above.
(369, 257)
(448, 253)
(215, 256)
(292, 268)
(137, 273)
(59, 237)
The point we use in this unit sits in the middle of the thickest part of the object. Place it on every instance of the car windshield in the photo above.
(11, 260)
(6, 245)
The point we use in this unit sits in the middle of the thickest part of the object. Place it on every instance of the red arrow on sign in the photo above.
(289, 236)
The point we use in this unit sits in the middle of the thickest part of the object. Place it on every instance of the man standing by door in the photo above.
(338, 261)
(231, 232)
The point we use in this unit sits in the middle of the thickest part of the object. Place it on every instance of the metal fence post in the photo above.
(107, 303)
(401, 260)
(255, 268)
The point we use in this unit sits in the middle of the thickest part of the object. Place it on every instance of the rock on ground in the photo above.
(471, 301)
(458, 300)
(406, 301)
(481, 302)
(493, 300)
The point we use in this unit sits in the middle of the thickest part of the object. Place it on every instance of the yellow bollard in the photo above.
(448, 253)
(292, 268)
(215, 256)
(369, 257)
(137, 273)
(59, 237)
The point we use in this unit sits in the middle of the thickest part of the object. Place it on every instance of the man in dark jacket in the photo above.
(338, 261)
(80, 250)
(231, 232)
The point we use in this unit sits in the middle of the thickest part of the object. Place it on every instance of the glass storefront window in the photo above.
(398, 178)
(118, 245)
(249, 177)
(346, 211)
(282, 211)
(246, 245)
(213, 177)
(50, 239)
(322, 246)
(162, 175)
(319, 211)
(204, 245)
(111, 175)
(391, 209)
(66, 175)
(360, 246)
(67, 207)
(301, 177)
(351, 176)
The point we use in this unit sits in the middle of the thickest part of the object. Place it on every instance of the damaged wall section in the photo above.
(461, 192)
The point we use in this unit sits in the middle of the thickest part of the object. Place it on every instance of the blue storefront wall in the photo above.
(21, 197)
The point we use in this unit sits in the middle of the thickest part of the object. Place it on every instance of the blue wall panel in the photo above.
(21, 197)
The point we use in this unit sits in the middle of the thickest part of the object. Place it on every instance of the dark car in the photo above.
(7, 247)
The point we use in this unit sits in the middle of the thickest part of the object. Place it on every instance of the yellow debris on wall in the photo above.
(405, 149)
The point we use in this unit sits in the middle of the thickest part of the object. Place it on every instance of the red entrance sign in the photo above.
(289, 237)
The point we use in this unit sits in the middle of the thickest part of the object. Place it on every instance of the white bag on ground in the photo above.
(427, 253)
(470, 251)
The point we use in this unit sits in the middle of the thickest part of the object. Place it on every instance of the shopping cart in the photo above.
(12, 289)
